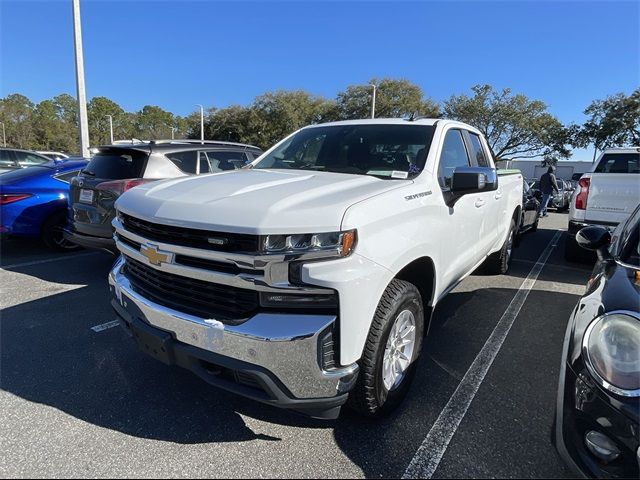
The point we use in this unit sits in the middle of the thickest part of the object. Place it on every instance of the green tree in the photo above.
(153, 123)
(274, 115)
(97, 111)
(515, 126)
(394, 99)
(17, 114)
(612, 122)
(50, 132)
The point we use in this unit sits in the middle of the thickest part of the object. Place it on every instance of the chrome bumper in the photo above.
(285, 345)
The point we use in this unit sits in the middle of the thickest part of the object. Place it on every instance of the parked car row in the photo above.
(560, 200)
(37, 202)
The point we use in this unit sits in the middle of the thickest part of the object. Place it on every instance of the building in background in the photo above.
(534, 168)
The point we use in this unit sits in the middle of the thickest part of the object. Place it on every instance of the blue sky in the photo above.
(178, 53)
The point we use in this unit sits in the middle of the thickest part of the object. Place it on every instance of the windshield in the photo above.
(385, 151)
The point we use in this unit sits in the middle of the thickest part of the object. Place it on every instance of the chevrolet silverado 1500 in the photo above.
(308, 280)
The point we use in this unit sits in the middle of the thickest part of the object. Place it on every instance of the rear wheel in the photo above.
(52, 235)
(394, 343)
(498, 263)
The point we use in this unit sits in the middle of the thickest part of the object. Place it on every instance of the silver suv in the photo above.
(114, 169)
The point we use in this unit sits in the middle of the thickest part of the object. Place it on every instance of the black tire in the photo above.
(370, 397)
(51, 233)
(498, 263)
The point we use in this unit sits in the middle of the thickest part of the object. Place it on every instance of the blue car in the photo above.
(33, 201)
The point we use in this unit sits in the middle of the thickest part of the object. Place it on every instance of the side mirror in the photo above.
(467, 180)
(595, 239)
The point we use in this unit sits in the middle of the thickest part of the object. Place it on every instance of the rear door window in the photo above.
(204, 163)
(117, 165)
(225, 160)
(185, 161)
(478, 155)
(67, 176)
(619, 163)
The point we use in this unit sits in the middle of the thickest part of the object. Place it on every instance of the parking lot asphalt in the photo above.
(77, 401)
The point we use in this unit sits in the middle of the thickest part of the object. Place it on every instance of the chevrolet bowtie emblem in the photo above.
(154, 256)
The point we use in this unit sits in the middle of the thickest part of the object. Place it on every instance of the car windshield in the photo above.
(384, 151)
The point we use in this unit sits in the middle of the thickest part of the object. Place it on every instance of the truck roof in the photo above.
(394, 121)
(622, 150)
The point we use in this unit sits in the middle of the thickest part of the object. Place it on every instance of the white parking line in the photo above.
(48, 260)
(105, 326)
(428, 457)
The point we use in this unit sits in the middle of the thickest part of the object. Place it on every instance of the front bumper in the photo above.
(581, 408)
(279, 353)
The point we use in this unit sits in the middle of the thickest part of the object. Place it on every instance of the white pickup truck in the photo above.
(606, 196)
(308, 279)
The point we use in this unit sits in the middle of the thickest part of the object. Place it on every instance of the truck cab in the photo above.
(307, 280)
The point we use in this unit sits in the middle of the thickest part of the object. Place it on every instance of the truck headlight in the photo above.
(611, 346)
(340, 244)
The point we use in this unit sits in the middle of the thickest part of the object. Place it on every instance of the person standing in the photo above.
(548, 186)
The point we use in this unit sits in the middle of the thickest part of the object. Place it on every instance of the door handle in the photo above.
(498, 195)
(480, 203)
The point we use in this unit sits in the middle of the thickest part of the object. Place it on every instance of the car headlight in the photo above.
(611, 347)
(338, 244)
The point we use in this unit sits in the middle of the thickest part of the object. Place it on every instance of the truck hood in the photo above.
(255, 201)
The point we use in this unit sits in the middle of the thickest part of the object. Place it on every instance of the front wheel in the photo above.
(394, 343)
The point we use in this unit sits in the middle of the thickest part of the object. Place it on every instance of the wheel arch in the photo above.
(421, 272)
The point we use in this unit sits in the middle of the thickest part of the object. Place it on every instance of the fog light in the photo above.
(601, 446)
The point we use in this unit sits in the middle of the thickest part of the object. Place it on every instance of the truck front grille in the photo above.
(191, 237)
(202, 299)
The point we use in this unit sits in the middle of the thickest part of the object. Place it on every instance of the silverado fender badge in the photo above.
(155, 256)
(418, 195)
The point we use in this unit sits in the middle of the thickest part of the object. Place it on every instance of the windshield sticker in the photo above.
(399, 174)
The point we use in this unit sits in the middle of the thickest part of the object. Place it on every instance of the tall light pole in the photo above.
(82, 96)
(110, 127)
(201, 122)
(4, 137)
(373, 100)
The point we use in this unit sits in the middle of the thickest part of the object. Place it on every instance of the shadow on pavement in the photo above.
(52, 358)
